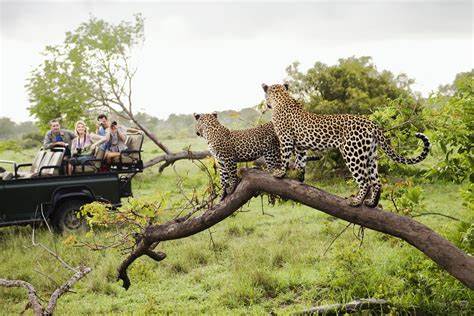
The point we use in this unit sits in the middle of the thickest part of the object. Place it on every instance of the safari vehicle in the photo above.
(42, 190)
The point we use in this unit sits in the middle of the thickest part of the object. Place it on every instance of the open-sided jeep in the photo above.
(42, 190)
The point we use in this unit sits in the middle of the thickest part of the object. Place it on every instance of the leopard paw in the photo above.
(354, 201)
(301, 176)
(370, 203)
(280, 173)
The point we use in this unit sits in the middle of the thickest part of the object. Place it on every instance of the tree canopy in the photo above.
(88, 71)
(354, 85)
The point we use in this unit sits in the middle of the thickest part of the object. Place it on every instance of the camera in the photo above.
(77, 153)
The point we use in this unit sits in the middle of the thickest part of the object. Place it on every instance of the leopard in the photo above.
(355, 136)
(230, 147)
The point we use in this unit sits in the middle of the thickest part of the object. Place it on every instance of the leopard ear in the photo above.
(264, 87)
(214, 114)
(287, 86)
(196, 116)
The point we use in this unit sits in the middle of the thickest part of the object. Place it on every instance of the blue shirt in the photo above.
(101, 131)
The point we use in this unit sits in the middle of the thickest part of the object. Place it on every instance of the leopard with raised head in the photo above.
(229, 147)
(356, 137)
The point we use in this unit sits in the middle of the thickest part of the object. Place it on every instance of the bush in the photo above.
(452, 114)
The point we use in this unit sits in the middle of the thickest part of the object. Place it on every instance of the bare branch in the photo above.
(81, 272)
(33, 299)
(379, 305)
(171, 158)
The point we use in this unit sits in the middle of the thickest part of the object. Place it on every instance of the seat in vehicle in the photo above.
(132, 155)
(43, 158)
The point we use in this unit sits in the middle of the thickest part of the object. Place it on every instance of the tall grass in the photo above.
(256, 263)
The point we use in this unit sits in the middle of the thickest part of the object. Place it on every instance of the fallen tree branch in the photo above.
(171, 158)
(34, 300)
(254, 182)
(379, 305)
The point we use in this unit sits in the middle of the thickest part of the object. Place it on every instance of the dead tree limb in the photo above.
(34, 300)
(171, 158)
(376, 305)
(253, 182)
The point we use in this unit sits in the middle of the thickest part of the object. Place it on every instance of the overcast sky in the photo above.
(201, 57)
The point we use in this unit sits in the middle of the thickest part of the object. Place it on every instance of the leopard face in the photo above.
(274, 94)
(204, 122)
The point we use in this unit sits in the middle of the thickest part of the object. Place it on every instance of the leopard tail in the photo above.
(384, 142)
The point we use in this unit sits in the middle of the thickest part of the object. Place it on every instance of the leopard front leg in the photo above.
(286, 149)
(228, 173)
(301, 157)
(272, 159)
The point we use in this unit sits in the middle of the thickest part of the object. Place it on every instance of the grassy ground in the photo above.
(257, 263)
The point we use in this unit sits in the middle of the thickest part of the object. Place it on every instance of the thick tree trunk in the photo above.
(440, 250)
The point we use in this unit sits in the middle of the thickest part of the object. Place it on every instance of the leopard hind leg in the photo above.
(356, 160)
(376, 186)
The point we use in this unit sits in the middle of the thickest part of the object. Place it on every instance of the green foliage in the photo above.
(136, 213)
(28, 141)
(452, 114)
(10, 129)
(67, 84)
(406, 198)
(9, 145)
(353, 86)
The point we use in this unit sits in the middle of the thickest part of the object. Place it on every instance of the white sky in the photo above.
(201, 57)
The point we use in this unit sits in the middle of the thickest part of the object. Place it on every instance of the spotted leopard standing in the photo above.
(356, 137)
(232, 146)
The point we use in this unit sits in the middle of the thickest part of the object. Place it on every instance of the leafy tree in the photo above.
(10, 129)
(7, 127)
(452, 112)
(87, 73)
(354, 85)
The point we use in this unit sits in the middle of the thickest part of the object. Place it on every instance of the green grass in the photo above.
(258, 263)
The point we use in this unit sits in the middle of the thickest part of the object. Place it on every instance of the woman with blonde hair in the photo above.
(83, 145)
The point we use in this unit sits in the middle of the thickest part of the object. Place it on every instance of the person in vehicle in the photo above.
(102, 126)
(57, 137)
(115, 137)
(83, 145)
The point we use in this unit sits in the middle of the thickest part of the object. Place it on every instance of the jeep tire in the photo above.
(65, 219)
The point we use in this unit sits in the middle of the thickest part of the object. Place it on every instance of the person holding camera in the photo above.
(83, 145)
(115, 137)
